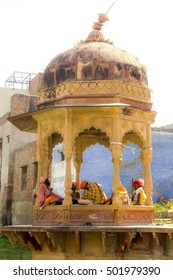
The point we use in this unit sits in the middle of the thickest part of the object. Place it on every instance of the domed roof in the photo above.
(95, 66)
(94, 59)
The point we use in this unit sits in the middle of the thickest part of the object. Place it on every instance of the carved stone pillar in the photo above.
(116, 149)
(43, 151)
(77, 167)
(146, 157)
(78, 159)
(44, 159)
(39, 155)
(68, 181)
(67, 151)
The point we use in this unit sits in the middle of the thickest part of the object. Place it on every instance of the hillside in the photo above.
(165, 128)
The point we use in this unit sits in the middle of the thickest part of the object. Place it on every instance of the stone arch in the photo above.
(84, 139)
(101, 123)
(44, 151)
(89, 137)
(97, 166)
(52, 134)
(134, 136)
(53, 140)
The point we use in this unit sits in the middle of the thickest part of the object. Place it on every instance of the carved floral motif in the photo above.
(96, 87)
(136, 216)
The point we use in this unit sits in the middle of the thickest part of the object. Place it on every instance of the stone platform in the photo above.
(96, 215)
(99, 232)
(94, 242)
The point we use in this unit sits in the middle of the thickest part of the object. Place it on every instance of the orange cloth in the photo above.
(83, 184)
(50, 200)
(43, 193)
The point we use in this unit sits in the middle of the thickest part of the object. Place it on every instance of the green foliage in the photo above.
(167, 206)
(11, 252)
(159, 207)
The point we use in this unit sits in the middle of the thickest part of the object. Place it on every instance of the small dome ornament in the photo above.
(103, 18)
(96, 35)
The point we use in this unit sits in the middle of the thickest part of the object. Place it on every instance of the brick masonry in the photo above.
(25, 156)
(22, 207)
(21, 104)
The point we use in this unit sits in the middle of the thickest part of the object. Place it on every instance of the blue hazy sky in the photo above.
(32, 32)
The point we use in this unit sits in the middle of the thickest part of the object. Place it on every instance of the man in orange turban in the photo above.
(93, 191)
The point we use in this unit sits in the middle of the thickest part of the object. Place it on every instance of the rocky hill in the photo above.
(165, 128)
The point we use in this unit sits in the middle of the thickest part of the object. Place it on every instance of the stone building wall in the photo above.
(5, 97)
(14, 102)
(21, 104)
(11, 139)
(35, 83)
(22, 206)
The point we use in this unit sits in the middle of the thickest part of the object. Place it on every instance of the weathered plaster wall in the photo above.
(22, 213)
(5, 97)
(21, 104)
(35, 83)
(11, 139)
(22, 207)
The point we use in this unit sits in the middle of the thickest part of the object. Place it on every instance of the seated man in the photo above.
(75, 192)
(93, 192)
(123, 196)
(45, 195)
(139, 196)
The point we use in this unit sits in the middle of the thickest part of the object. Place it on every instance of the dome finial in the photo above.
(101, 19)
(96, 35)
